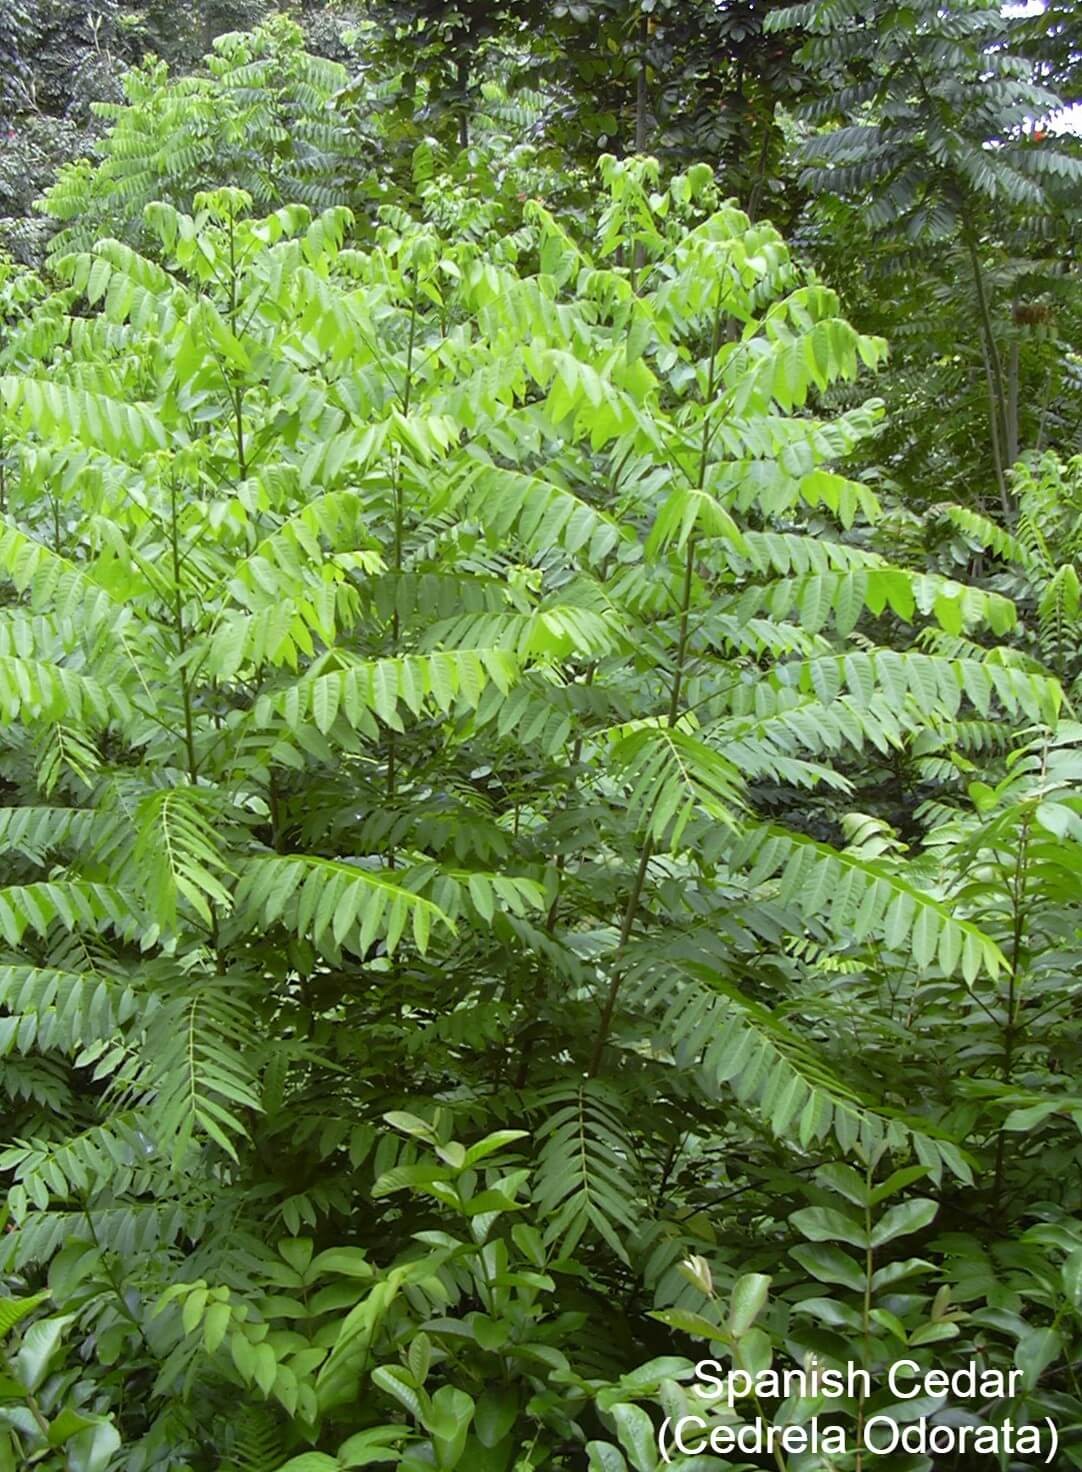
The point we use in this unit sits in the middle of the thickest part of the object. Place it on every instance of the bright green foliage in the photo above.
(1036, 560)
(413, 663)
(259, 118)
(45, 1418)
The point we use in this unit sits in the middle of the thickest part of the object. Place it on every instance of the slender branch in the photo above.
(865, 1315)
(235, 389)
(997, 398)
(1012, 446)
(635, 895)
(1010, 1030)
(181, 638)
(682, 636)
(115, 1282)
(759, 185)
(399, 529)
(630, 910)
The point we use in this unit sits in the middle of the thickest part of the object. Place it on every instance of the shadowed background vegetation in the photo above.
(540, 773)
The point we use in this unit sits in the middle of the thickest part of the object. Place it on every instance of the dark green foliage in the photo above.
(931, 155)
(539, 825)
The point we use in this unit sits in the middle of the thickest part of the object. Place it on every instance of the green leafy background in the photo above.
(541, 780)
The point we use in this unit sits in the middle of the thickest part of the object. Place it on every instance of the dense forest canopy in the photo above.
(541, 762)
